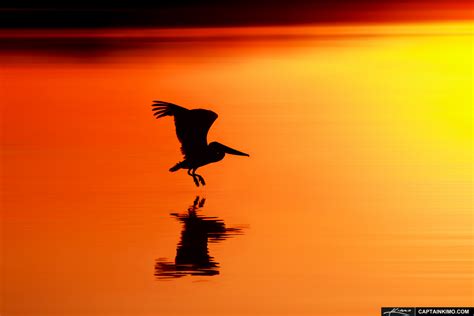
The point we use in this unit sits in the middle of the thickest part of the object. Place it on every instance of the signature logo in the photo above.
(397, 311)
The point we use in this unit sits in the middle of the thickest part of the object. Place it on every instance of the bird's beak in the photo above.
(232, 151)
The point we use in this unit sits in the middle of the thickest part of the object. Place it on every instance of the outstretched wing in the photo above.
(192, 126)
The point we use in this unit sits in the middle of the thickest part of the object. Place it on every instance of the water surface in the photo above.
(357, 193)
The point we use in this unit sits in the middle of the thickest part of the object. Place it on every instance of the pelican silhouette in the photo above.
(192, 127)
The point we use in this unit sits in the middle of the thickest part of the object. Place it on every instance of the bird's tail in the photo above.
(178, 166)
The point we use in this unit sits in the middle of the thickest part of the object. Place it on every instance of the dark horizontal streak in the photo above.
(212, 14)
(87, 47)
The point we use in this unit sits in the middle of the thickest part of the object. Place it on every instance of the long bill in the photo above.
(232, 151)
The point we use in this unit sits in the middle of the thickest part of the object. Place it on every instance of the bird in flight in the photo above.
(192, 127)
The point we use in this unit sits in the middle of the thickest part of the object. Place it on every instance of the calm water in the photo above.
(356, 195)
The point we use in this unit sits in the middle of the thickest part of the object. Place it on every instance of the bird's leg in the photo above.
(196, 181)
(196, 177)
(192, 174)
(200, 178)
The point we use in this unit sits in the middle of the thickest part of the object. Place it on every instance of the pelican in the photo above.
(192, 127)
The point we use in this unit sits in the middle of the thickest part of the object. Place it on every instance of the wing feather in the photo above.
(192, 126)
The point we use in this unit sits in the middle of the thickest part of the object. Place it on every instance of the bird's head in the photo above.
(220, 150)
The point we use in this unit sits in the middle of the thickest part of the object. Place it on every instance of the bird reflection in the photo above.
(192, 253)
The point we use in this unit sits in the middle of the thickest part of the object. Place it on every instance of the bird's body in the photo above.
(192, 127)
